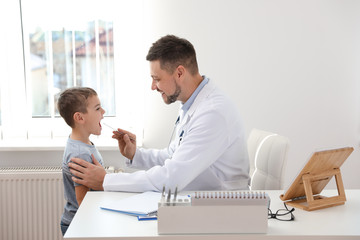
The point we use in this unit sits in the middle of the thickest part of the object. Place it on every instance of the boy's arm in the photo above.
(80, 192)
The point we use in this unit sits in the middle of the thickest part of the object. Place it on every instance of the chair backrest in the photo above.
(267, 155)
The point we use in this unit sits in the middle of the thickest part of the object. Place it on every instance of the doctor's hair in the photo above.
(173, 51)
(74, 100)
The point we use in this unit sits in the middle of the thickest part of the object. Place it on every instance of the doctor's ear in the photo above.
(180, 71)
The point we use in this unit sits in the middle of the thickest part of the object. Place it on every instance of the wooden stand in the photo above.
(312, 202)
(304, 193)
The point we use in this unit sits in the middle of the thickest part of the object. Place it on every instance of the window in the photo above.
(59, 59)
(61, 44)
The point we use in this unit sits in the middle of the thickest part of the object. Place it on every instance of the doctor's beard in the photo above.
(172, 98)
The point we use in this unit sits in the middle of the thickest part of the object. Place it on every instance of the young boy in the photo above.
(81, 109)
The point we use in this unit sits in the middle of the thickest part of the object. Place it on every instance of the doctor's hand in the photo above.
(127, 142)
(90, 175)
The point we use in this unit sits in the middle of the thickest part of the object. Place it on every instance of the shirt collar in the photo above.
(186, 106)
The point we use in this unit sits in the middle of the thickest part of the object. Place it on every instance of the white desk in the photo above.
(340, 222)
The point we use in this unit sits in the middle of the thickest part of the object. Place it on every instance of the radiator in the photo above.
(31, 203)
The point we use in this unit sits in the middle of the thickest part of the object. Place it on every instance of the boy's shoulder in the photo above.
(77, 149)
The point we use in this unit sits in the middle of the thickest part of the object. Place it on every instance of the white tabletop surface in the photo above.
(340, 222)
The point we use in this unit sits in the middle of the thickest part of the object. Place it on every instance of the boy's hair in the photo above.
(173, 51)
(74, 100)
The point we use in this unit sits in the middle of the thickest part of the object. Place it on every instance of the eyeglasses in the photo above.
(282, 214)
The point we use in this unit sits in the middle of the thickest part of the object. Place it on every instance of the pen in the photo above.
(175, 194)
(181, 136)
(116, 130)
(163, 195)
(168, 197)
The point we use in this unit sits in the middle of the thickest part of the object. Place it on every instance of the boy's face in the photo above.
(95, 113)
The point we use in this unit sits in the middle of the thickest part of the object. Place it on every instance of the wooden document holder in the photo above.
(319, 170)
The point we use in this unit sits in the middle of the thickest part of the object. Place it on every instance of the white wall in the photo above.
(292, 67)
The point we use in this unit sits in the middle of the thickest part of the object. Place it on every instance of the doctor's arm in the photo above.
(126, 142)
(199, 149)
(141, 159)
(89, 175)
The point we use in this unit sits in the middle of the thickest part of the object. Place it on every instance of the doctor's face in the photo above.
(164, 83)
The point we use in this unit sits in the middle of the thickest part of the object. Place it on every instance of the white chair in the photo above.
(267, 155)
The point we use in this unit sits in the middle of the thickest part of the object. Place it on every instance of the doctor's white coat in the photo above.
(209, 152)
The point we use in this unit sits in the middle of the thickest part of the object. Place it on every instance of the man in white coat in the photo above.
(209, 150)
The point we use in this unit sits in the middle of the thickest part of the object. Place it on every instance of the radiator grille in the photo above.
(29, 169)
(31, 203)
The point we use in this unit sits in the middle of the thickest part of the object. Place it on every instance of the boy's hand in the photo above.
(90, 175)
(126, 142)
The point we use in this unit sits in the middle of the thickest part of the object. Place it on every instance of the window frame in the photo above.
(20, 130)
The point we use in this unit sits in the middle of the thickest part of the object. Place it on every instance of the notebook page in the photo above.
(139, 205)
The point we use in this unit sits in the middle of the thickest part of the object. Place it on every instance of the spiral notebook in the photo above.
(229, 198)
